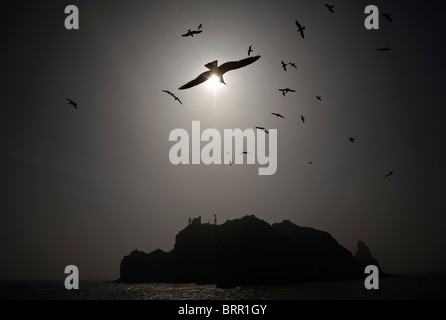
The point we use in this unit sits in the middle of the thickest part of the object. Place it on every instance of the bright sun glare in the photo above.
(213, 83)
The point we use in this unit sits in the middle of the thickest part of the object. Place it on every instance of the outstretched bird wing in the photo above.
(284, 65)
(387, 16)
(301, 29)
(298, 24)
(389, 174)
(71, 102)
(200, 79)
(232, 65)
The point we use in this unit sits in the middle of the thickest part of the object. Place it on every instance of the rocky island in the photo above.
(247, 251)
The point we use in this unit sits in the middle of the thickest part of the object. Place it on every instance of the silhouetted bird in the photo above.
(310, 162)
(292, 64)
(74, 104)
(286, 90)
(263, 129)
(319, 98)
(249, 51)
(278, 115)
(352, 140)
(389, 174)
(384, 49)
(174, 96)
(200, 26)
(330, 8)
(300, 29)
(191, 33)
(177, 99)
(284, 65)
(219, 71)
(302, 118)
(245, 152)
(388, 16)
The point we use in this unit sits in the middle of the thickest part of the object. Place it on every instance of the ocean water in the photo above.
(419, 287)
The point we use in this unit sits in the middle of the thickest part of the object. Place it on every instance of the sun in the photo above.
(213, 83)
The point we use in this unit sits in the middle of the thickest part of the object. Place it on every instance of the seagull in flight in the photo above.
(300, 29)
(200, 26)
(389, 174)
(384, 49)
(302, 118)
(219, 71)
(74, 104)
(284, 65)
(174, 96)
(388, 16)
(263, 129)
(278, 115)
(292, 64)
(191, 33)
(352, 140)
(319, 98)
(249, 51)
(330, 8)
(286, 90)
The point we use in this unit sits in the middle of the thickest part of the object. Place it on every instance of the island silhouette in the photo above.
(247, 251)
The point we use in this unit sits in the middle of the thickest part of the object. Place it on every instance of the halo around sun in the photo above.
(213, 83)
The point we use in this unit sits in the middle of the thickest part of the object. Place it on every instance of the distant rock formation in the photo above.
(246, 251)
(365, 257)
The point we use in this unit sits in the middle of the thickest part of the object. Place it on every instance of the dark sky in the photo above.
(87, 186)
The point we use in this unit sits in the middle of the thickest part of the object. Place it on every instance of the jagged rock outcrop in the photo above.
(364, 256)
(244, 251)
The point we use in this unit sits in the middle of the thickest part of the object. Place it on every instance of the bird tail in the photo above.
(211, 65)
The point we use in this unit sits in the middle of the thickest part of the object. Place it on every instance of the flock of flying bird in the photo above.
(219, 71)
(190, 33)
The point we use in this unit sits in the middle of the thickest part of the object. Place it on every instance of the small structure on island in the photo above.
(195, 220)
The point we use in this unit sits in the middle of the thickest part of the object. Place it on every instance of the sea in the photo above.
(404, 287)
